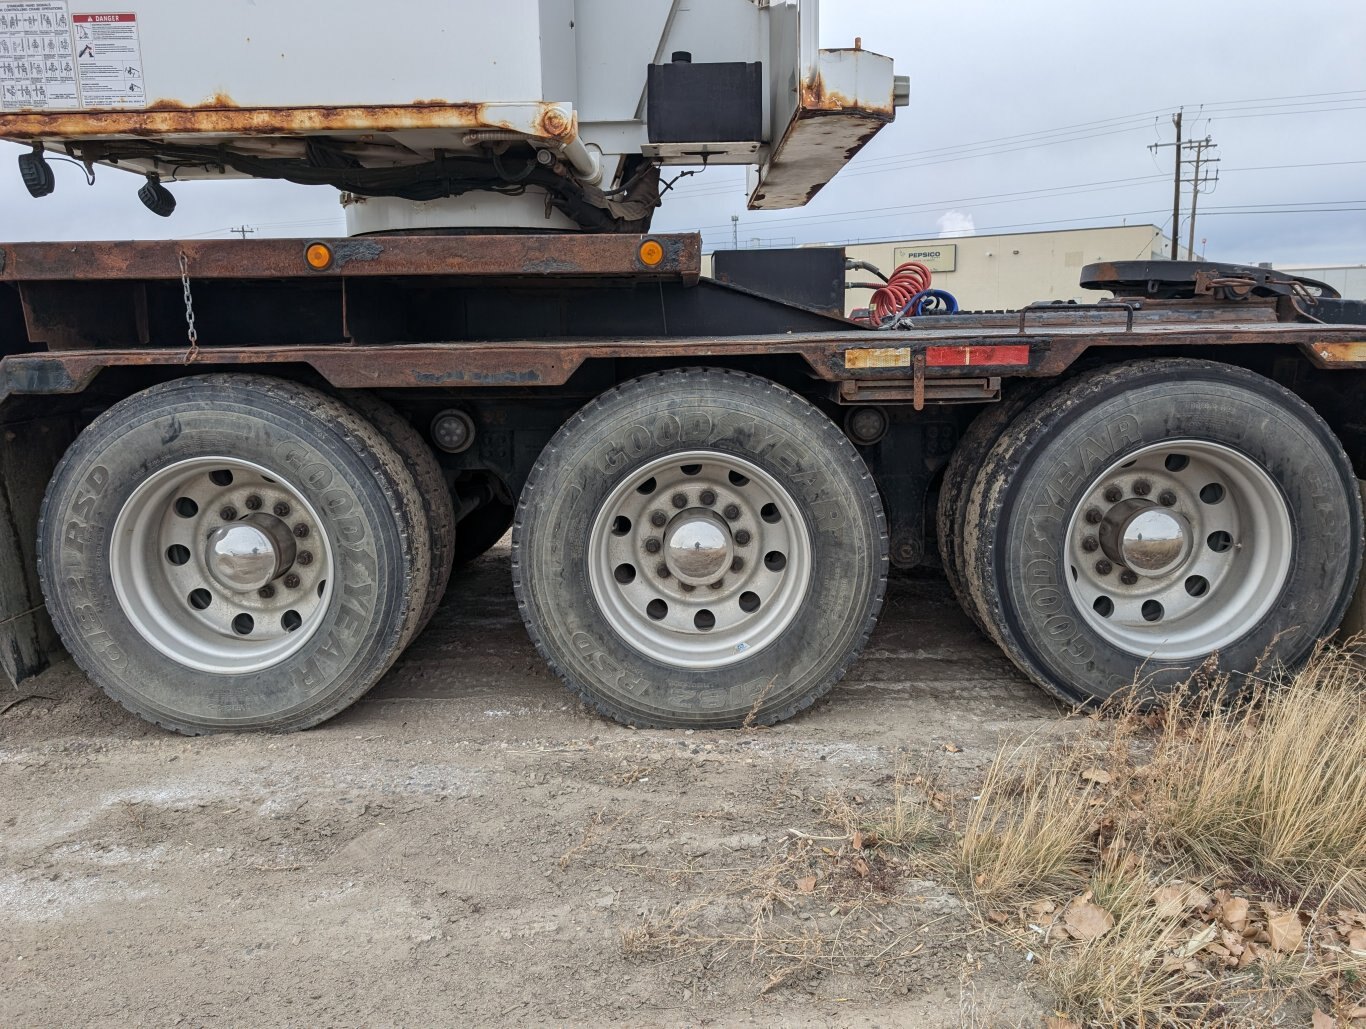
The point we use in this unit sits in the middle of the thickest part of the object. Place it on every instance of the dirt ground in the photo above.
(468, 844)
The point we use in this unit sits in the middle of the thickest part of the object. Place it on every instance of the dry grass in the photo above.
(1214, 858)
(1277, 785)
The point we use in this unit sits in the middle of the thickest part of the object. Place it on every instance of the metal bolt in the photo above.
(731, 512)
(680, 500)
(1090, 544)
(253, 503)
(1104, 567)
(305, 558)
(301, 531)
(659, 519)
(687, 587)
(738, 565)
(1143, 487)
(1094, 517)
(717, 584)
(653, 546)
(292, 581)
(662, 571)
(267, 592)
(228, 514)
(1167, 499)
(742, 538)
(282, 510)
(1128, 578)
(708, 498)
(1113, 494)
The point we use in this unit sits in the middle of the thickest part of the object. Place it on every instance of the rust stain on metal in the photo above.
(567, 256)
(221, 117)
(1336, 354)
(817, 99)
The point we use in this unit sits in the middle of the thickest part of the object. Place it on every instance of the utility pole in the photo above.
(1200, 179)
(242, 231)
(735, 232)
(1176, 200)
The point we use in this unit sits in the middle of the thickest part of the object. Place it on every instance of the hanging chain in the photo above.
(192, 333)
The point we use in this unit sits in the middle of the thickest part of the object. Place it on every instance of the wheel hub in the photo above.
(698, 547)
(1145, 538)
(700, 559)
(1178, 549)
(246, 556)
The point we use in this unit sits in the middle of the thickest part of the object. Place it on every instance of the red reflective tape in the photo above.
(968, 357)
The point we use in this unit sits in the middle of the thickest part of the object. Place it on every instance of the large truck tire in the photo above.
(1150, 519)
(233, 552)
(700, 548)
(429, 484)
(959, 476)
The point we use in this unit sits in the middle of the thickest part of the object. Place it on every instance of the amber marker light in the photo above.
(651, 254)
(318, 256)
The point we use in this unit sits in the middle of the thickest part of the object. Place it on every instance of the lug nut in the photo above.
(1113, 494)
(659, 519)
(253, 503)
(718, 584)
(1104, 567)
(743, 537)
(653, 546)
(680, 500)
(282, 510)
(305, 558)
(1167, 498)
(662, 571)
(292, 581)
(738, 565)
(1128, 578)
(708, 498)
(688, 587)
(1143, 487)
(1090, 544)
(1094, 517)
(301, 531)
(731, 512)
(228, 514)
(267, 592)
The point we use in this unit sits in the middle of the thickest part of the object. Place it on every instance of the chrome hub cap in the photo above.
(243, 557)
(698, 547)
(221, 565)
(700, 560)
(1144, 537)
(1179, 550)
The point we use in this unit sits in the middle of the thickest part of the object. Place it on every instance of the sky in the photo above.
(1024, 115)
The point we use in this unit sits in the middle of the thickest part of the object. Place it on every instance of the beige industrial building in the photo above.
(1006, 272)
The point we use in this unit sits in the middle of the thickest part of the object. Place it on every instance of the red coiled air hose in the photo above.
(908, 280)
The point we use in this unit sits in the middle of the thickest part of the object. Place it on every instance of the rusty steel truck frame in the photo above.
(236, 476)
(1066, 459)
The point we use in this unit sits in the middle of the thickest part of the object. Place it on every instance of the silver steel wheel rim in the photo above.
(221, 565)
(1179, 550)
(656, 540)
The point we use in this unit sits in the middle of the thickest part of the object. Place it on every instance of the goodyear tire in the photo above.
(232, 552)
(426, 481)
(959, 477)
(1147, 518)
(700, 548)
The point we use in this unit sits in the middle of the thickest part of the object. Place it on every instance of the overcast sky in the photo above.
(1283, 91)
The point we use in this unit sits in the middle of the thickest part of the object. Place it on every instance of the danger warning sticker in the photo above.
(109, 60)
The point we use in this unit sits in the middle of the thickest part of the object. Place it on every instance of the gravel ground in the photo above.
(469, 844)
